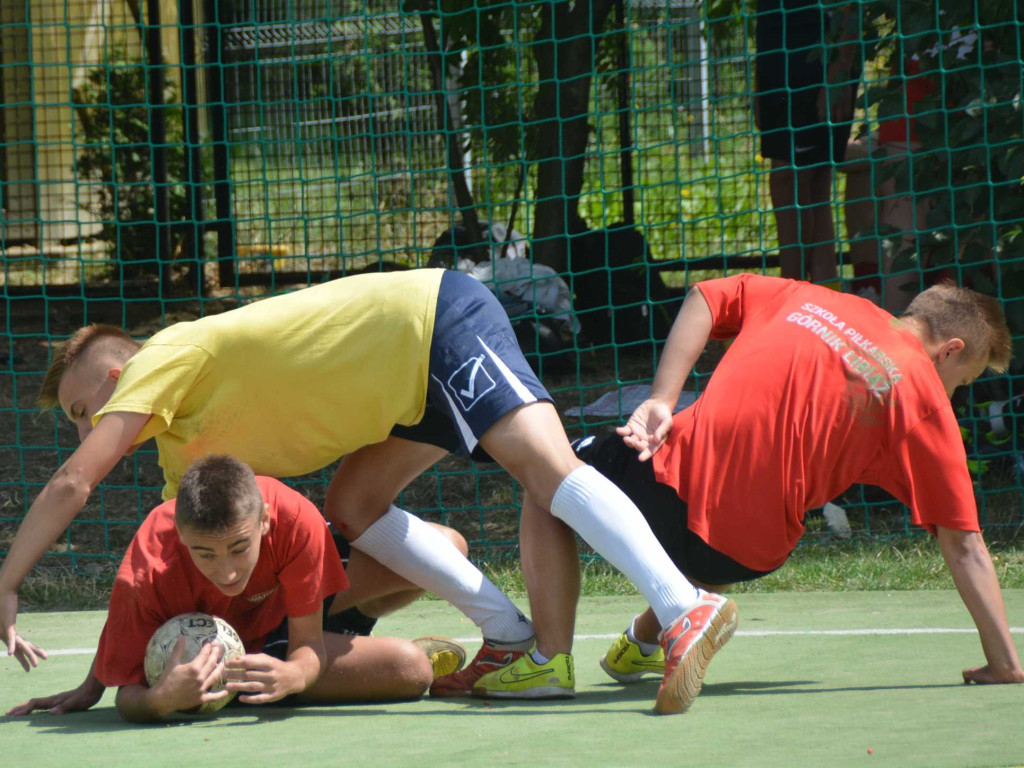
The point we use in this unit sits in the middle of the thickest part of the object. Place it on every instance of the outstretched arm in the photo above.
(53, 510)
(76, 700)
(650, 423)
(975, 577)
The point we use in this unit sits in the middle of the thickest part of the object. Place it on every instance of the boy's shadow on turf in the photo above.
(648, 689)
(106, 720)
(775, 688)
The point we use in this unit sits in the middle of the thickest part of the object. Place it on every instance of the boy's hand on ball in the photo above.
(261, 678)
(184, 686)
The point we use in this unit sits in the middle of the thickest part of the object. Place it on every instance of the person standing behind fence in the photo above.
(803, 104)
(886, 220)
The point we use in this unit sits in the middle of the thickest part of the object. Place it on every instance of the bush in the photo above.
(971, 162)
(117, 159)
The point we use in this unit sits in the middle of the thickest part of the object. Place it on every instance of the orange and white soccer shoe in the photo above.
(491, 656)
(689, 642)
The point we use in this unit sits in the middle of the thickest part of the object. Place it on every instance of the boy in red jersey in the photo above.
(260, 555)
(819, 390)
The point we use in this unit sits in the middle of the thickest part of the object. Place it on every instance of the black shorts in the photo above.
(664, 510)
(477, 371)
(789, 86)
(348, 622)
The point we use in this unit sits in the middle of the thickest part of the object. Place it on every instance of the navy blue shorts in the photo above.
(477, 371)
(664, 511)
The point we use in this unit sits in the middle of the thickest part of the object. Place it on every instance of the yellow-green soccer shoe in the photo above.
(626, 662)
(526, 679)
(446, 655)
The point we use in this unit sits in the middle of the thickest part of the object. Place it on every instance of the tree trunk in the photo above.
(565, 49)
(450, 120)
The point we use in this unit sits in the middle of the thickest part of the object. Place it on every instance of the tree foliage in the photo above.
(117, 158)
(970, 165)
(528, 109)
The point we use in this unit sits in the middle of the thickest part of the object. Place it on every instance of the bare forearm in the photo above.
(307, 664)
(140, 704)
(66, 493)
(686, 341)
(976, 581)
(92, 685)
(49, 516)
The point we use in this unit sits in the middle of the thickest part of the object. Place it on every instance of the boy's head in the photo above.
(84, 372)
(221, 518)
(965, 330)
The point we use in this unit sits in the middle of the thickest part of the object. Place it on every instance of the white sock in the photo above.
(608, 521)
(645, 648)
(420, 553)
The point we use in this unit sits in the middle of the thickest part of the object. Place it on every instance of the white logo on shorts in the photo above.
(583, 442)
(471, 382)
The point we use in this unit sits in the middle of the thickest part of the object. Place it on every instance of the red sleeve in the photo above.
(307, 562)
(130, 623)
(151, 587)
(733, 300)
(932, 477)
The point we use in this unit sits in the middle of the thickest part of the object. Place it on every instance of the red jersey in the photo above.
(819, 390)
(298, 567)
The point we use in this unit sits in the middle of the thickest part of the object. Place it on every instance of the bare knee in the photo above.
(368, 480)
(347, 520)
(350, 510)
(456, 538)
(411, 670)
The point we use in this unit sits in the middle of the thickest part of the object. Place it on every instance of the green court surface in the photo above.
(809, 680)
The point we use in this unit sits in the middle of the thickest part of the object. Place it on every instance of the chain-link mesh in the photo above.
(164, 160)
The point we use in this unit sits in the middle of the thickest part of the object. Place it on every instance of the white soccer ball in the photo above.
(198, 629)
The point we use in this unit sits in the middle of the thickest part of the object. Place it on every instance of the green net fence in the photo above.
(164, 160)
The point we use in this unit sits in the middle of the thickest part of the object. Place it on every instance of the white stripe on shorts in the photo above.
(520, 389)
(467, 434)
(525, 395)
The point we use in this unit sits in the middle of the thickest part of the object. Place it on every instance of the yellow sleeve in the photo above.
(156, 380)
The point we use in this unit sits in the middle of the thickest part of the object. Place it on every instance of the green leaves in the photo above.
(970, 162)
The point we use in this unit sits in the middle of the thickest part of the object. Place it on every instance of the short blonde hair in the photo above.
(215, 493)
(108, 338)
(949, 311)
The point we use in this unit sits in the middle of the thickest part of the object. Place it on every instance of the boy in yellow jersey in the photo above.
(390, 371)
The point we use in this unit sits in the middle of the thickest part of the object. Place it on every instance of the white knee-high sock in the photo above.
(421, 554)
(603, 515)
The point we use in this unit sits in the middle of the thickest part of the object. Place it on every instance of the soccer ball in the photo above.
(198, 629)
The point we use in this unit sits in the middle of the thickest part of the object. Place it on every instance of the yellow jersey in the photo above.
(290, 383)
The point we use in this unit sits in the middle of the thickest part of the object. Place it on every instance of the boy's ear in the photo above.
(114, 372)
(951, 347)
(265, 520)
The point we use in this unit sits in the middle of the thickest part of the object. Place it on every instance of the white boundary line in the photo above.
(739, 633)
